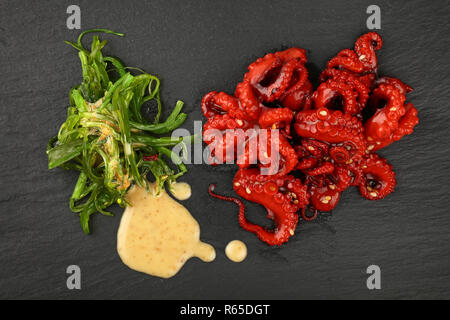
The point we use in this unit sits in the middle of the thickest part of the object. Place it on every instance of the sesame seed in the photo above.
(373, 194)
(248, 190)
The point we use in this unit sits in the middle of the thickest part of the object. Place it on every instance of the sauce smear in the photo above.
(157, 235)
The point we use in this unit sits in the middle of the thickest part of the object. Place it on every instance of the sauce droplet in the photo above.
(236, 251)
(157, 235)
(181, 190)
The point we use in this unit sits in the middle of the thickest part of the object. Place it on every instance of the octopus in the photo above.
(323, 140)
(282, 196)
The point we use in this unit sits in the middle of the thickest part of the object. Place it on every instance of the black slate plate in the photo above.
(198, 46)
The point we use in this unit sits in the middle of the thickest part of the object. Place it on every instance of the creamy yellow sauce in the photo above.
(236, 251)
(157, 235)
(181, 190)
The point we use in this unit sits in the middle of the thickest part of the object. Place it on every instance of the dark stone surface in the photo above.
(198, 46)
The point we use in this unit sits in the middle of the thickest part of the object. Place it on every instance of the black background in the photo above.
(196, 47)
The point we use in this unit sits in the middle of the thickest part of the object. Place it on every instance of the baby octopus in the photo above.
(326, 139)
